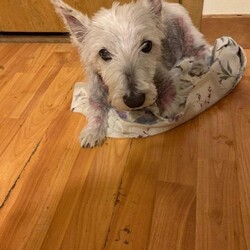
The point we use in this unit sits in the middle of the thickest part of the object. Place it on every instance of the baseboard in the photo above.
(235, 26)
(34, 37)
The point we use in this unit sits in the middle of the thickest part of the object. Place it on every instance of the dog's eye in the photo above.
(146, 46)
(105, 55)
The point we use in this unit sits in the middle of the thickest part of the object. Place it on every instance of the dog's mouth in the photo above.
(133, 101)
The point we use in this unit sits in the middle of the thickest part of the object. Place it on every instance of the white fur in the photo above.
(122, 30)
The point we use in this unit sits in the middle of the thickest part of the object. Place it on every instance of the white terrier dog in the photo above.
(128, 52)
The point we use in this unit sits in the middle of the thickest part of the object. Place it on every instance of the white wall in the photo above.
(213, 7)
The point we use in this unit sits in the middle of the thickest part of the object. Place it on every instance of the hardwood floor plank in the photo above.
(16, 61)
(179, 161)
(37, 56)
(14, 99)
(33, 203)
(12, 59)
(26, 103)
(131, 222)
(3, 47)
(173, 223)
(215, 133)
(219, 222)
(89, 223)
(22, 145)
(185, 189)
(247, 71)
(8, 51)
(219, 219)
(8, 129)
(241, 118)
(19, 92)
(70, 197)
(46, 76)
(235, 26)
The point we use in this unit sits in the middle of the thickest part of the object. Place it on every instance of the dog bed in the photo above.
(227, 66)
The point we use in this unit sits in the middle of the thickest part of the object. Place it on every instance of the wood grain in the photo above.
(194, 8)
(39, 16)
(247, 72)
(49, 176)
(173, 223)
(30, 134)
(28, 16)
(8, 129)
(220, 143)
(219, 217)
(98, 197)
(184, 189)
(241, 123)
(179, 161)
(136, 194)
(227, 25)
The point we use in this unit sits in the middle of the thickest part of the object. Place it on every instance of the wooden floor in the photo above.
(236, 26)
(185, 189)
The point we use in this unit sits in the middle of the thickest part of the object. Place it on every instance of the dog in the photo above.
(128, 53)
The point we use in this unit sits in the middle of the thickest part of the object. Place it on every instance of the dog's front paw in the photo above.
(173, 99)
(198, 69)
(191, 66)
(92, 136)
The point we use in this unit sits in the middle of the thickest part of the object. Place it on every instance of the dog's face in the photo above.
(122, 45)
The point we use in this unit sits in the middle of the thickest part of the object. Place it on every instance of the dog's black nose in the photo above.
(134, 100)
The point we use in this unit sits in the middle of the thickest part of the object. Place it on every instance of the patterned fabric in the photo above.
(227, 67)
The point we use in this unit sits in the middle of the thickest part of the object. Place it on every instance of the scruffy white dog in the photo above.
(128, 52)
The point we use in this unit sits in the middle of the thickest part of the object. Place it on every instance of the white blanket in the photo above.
(228, 65)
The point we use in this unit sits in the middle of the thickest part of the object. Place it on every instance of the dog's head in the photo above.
(122, 45)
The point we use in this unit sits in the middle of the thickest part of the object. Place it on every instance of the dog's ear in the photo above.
(156, 6)
(76, 22)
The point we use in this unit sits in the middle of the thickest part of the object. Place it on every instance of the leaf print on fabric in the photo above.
(225, 75)
(226, 70)
(203, 99)
(122, 115)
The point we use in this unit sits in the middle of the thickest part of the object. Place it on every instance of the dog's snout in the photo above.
(134, 100)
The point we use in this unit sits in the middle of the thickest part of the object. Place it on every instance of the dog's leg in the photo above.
(172, 91)
(183, 40)
(201, 61)
(95, 132)
(195, 47)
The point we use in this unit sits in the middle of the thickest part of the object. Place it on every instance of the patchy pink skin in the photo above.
(180, 41)
(97, 120)
(168, 96)
(94, 104)
(200, 54)
(188, 38)
(189, 48)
